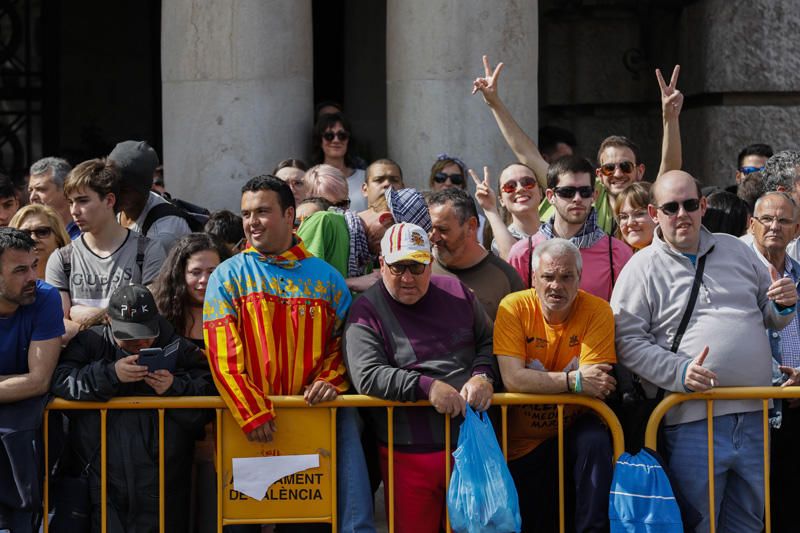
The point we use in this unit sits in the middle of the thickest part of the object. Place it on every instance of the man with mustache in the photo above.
(31, 325)
(571, 191)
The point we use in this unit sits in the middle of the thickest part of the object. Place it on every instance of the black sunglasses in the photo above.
(341, 135)
(399, 269)
(671, 208)
(455, 179)
(41, 233)
(568, 193)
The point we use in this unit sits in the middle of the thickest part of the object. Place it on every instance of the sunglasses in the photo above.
(671, 208)
(455, 179)
(750, 170)
(525, 182)
(331, 135)
(608, 169)
(399, 269)
(41, 233)
(568, 193)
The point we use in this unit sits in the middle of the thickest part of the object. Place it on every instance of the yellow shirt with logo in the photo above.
(520, 330)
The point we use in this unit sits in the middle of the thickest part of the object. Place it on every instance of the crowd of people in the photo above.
(563, 277)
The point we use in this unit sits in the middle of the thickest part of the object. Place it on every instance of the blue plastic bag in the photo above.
(482, 496)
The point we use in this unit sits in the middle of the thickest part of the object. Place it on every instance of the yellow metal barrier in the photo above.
(724, 393)
(296, 402)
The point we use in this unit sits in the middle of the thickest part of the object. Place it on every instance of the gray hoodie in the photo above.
(730, 317)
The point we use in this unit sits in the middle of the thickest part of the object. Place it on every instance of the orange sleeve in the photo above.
(598, 340)
(509, 329)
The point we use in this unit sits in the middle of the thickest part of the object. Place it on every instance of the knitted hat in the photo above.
(137, 161)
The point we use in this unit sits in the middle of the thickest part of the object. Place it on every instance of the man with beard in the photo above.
(571, 191)
(31, 325)
(457, 252)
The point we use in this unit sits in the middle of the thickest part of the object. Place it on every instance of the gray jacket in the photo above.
(729, 317)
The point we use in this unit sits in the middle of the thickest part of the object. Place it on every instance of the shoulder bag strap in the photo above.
(530, 262)
(687, 314)
(611, 262)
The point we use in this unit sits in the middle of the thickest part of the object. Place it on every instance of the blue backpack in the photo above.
(641, 498)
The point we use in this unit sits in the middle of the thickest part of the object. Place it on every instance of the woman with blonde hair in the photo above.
(328, 182)
(46, 229)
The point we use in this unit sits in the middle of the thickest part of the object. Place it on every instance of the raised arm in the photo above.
(487, 199)
(671, 105)
(521, 144)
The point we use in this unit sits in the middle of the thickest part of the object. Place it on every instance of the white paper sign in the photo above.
(253, 475)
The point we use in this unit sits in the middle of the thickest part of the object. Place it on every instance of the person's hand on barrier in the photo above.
(699, 379)
(484, 194)
(488, 84)
(478, 393)
(319, 391)
(793, 375)
(263, 433)
(783, 290)
(160, 380)
(445, 399)
(597, 380)
(128, 371)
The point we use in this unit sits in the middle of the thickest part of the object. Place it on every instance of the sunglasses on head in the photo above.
(41, 233)
(398, 269)
(608, 169)
(671, 208)
(750, 170)
(455, 179)
(525, 182)
(568, 193)
(331, 135)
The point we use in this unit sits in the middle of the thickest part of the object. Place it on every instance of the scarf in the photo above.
(586, 237)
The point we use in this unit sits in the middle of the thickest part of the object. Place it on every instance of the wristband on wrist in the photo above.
(566, 375)
(578, 384)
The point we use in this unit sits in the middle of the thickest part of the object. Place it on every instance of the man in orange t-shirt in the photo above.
(553, 339)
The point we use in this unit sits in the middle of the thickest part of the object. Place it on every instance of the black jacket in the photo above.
(85, 372)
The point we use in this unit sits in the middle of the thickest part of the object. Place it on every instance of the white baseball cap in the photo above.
(406, 242)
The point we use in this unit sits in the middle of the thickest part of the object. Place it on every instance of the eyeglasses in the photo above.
(671, 208)
(398, 269)
(526, 182)
(568, 193)
(627, 218)
(750, 170)
(341, 135)
(608, 169)
(769, 221)
(41, 233)
(455, 179)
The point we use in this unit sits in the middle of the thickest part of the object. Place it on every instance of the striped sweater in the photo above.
(273, 325)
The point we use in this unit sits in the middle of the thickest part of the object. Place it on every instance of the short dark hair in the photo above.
(726, 213)
(764, 150)
(383, 161)
(462, 203)
(291, 163)
(225, 226)
(323, 203)
(619, 141)
(569, 163)
(7, 189)
(267, 182)
(550, 136)
(14, 239)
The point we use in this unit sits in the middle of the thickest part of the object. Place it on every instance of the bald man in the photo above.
(723, 345)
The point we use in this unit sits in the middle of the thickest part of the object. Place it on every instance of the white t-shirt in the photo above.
(358, 202)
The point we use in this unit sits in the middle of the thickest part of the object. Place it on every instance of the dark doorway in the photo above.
(350, 67)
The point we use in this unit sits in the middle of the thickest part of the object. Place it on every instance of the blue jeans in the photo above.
(738, 469)
(354, 504)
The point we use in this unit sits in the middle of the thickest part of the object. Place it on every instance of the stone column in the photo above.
(433, 53)
(741, 60)
(237, 93)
